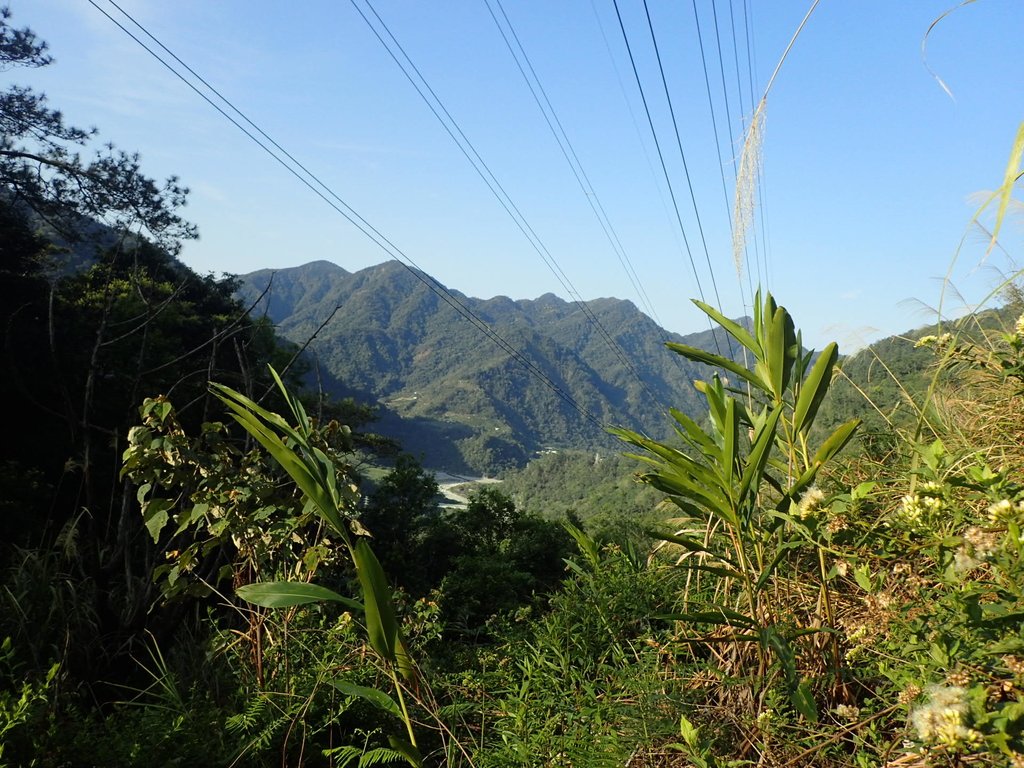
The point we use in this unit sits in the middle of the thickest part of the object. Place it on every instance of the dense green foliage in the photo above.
(597, 488)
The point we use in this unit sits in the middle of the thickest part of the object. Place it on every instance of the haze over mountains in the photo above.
(452, 394)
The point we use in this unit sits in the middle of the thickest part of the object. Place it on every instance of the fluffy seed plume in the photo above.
(746, 186)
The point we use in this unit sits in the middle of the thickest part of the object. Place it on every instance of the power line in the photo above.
(565, 145)
(664, 168)
(346, 211)
(682, 155)
(739, 91)
(451, 126)
(711, 108)
(718, 142)
(581, 176)
(748, 17)
(636, 123)
(732, 144)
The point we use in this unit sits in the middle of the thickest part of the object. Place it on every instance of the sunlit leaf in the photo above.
(381, 623)
(378, 698)
(814, 388)
(155, 516)
(737, 331)
(709, 358)
(285, 594)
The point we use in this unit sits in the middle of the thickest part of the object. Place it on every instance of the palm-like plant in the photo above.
(745, 487)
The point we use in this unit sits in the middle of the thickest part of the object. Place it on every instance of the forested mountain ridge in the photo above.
(887, 383)
(391, 338)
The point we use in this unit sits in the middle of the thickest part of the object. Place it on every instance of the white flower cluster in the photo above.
(1004, 510)
(916, 508)
(847, 713)
(979, 545)
(765, 718)
(934, 341)
(810, 502)
(941, 719)
(1018, 327)
(859, 640)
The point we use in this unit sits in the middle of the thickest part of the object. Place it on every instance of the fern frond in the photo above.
(343, 756)
(381, 756)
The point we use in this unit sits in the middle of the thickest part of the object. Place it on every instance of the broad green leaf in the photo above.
(285, 594)
(814, 387)
(225, 392)
(671, 456)
(836, 441)
(758, 324)
(679, 474)
(587, 545)
(862, 575)
(694, 433)
(803, 701)
(799, 689)
(575, 567)
(186, 518)
(712, 503)
(730, 458)
(298, 412)
(828, 449)
(714, 393)
(780, 352)
(688, 507)
(759, 453)
(688, 731)
(738, 332)
(709, 358)
(155, 516)
(863, 489)
(378, 698)
(381, 623)
(298, 470)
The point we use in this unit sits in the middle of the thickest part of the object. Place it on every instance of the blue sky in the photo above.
(869, 165)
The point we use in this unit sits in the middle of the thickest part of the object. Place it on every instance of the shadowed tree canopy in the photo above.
(96, 313)
(56, 171)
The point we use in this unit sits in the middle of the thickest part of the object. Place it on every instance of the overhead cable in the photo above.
(762, 208)
(682, 155)
(456, 133)
(341, 207)
(569, 153)
(664, 169)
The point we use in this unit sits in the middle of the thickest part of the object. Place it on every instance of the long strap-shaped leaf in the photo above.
(737, 331)
(758, 457)
(381, 623)
(702, 356)
(814, 387)
(285, 594)
(297, 469)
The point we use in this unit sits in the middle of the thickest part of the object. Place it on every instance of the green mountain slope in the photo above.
(886, 383)
(393, 340)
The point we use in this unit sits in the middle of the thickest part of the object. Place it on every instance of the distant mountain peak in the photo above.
(464, 401)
